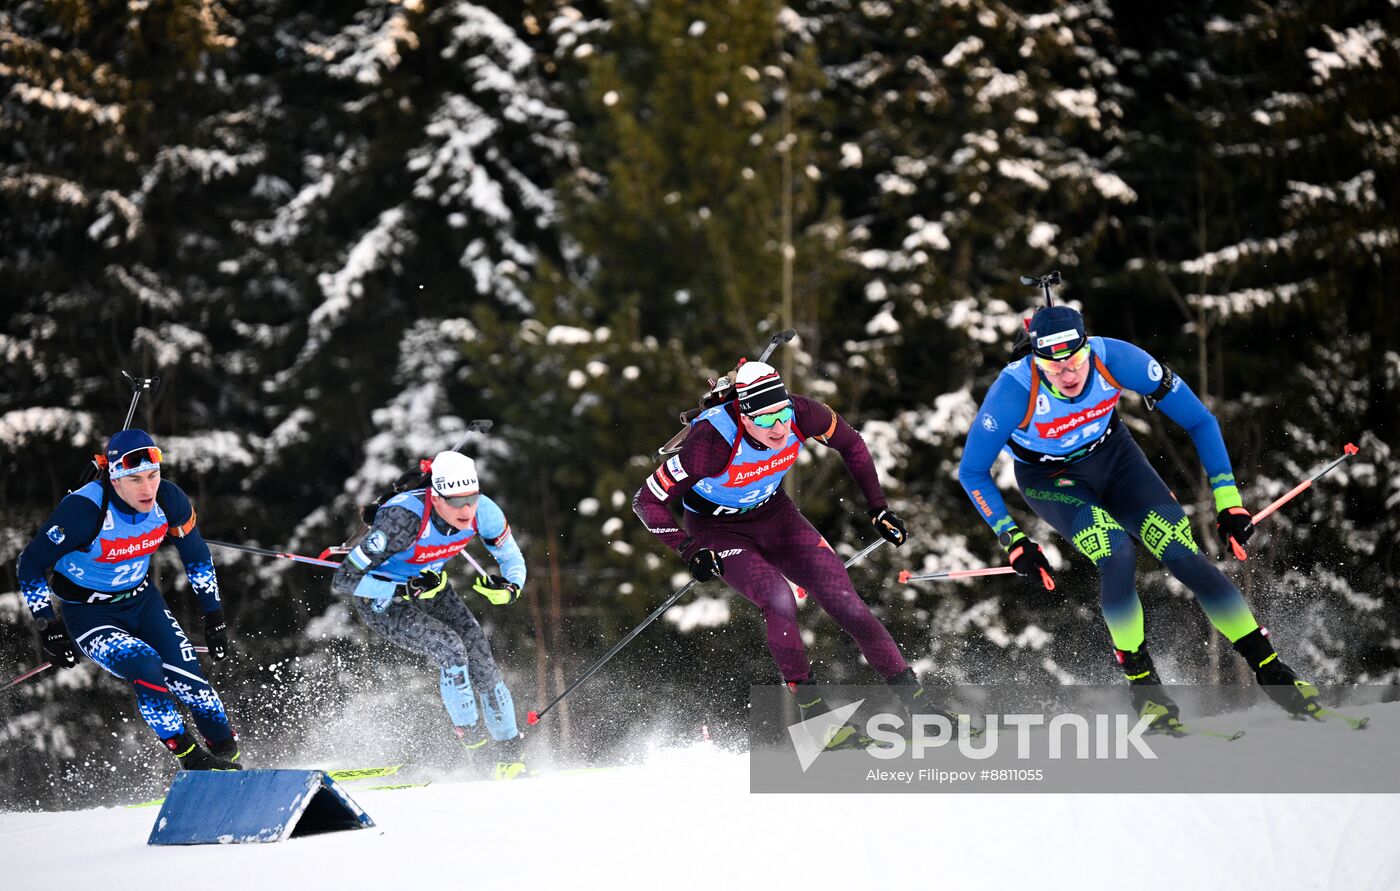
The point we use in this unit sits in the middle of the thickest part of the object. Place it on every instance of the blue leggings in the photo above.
(139, 641)
(1104, 502)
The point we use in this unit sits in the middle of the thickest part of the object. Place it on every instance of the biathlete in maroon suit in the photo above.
(741, 526)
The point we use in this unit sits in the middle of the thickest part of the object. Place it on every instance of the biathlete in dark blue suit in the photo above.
(1055, 412)
(98, 545)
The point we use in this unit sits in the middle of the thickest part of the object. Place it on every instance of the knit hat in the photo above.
(454, 474)
(131, 451)
(1056, 332)
(758, 387)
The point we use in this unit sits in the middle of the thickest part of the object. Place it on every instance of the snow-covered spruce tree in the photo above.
(978, 142)
(115, 119)
(1271, 242)
(418, 144)
(698, 125)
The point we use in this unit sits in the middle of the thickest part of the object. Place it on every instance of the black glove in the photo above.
(425, 585)
(53, 637)
(1236, 523)
(705, 564)
(1029, 560)
(216, 635)
(890, 526)
(496, 588)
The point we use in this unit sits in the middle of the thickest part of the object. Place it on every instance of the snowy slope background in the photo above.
(682, 817)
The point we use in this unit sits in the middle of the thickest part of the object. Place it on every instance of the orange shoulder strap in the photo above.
(1103, 370)
(1030, 406)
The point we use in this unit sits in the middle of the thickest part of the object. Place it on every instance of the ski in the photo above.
(363, 773)
(1178, 729)
(340, 776)
(394, 786)
(1326, 714)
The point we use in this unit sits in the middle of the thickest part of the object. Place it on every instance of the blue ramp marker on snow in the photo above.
(234, 807)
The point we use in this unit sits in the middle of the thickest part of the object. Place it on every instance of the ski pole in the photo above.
(1240, 553)
(472, 561)
(27, 675)
(267, 552)
(533, 717)
(1347, 451)
(281, 555)
(905, 576)
(44, 666)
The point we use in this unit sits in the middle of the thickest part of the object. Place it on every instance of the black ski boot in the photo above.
(811, 702)
(193, 757)
(918, 701)
(1281, 683)
(227, 750)
(1150, 700)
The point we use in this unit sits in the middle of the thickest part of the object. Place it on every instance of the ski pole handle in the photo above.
(1347, 451)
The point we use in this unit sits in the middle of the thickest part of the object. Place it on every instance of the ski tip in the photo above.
(1350, 448)
(904, 576)
(532, 718)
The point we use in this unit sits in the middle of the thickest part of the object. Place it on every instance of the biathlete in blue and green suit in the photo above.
(1055, 412)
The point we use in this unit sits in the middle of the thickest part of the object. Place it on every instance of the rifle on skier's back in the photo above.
(720, 392)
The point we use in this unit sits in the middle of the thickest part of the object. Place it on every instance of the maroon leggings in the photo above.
(761, 551)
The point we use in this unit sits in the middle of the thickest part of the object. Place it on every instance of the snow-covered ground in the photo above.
(685, 819)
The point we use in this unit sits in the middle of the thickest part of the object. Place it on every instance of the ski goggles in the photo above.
(458, 501)
(1073, 362)
(773, 418)
(135, 460)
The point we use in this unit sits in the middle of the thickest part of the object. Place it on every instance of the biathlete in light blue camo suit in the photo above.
(395, 575)
(1055, 412)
